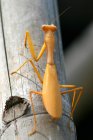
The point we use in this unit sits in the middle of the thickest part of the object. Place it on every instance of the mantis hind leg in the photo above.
(74, 99)
(35, 121)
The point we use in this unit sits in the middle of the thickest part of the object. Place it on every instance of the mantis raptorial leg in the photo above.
(32, 51)
(31, 47)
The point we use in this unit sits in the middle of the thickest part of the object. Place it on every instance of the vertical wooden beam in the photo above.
(4, 79)
(18, 16)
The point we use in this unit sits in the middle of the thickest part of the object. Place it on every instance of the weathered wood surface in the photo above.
(4, 81)
(18, 16)
(15, 108)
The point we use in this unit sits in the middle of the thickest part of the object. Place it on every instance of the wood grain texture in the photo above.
(4, 80)
(18, 17)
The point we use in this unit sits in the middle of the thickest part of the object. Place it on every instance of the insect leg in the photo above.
(34, 67)
(67, 86)
(35, 92)
(31, 47)
(74, 103)
(70, 86)
(35, 121)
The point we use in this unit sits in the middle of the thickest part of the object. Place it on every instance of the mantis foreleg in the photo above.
(31, 47)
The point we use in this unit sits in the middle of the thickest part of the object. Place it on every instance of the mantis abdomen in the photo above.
(50, 92)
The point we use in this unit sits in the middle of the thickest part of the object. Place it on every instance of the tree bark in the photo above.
(17, 17)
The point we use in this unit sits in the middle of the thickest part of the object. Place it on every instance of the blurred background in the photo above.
(77, 36)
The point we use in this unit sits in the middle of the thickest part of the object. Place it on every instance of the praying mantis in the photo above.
(51, 94)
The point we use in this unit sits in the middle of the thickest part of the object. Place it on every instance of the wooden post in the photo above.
(18, 16)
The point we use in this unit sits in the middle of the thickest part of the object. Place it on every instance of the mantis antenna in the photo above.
(62, 13)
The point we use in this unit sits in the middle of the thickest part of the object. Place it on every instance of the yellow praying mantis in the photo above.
(51, 94)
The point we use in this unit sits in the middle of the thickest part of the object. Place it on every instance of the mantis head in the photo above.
(49, 33)
(47, 28)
